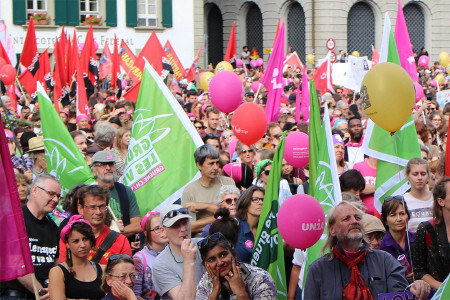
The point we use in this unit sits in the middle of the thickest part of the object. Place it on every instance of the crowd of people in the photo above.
(94, 243)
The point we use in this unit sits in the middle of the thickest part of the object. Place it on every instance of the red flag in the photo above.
(28, 81)
(105, 64)
(132, 93)
(128, 62)
(153, 52)
(4, 54)
(177, 67)
(44, 74)
(60, 89)
(293, 61)
(115, 78)
(230, 55)
(29, 57)
(323, 76)
(82, 100)
(88, 57)
(191, 72)
(15, 252)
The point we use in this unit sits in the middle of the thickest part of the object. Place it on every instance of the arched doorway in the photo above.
(361, 29)
(296, 30)
(415, 20)
(255, 29)
(215, 35)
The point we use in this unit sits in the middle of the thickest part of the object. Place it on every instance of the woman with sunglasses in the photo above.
(227, 197)
(155, 242)
(248, 211)
(419, 199)
(262, 175)
(77, 277)
(119, 278)
(246, 154)
(397, 240)
(431, 254)
(227, 279)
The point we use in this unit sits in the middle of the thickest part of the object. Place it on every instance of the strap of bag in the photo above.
(107, 243)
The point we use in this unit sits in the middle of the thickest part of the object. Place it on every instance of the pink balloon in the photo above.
(253, 63)
(296, 149)
(301, 221)
(226, 91)
(96, 45)
(239, 62)
(259, 62)
(255, 85)
(433, 83)
(80, 46)
(234, 170)
(419, 91)
(423, 61)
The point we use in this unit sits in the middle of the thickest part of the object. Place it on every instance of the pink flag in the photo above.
(305, 97)
(105, 65)
(273, 77)
(297, 104)
(15, 253)
(8, 44)
(404, 44)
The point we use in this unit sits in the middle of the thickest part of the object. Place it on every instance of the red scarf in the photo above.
(356, 288)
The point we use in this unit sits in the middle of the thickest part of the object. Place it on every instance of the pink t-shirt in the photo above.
(369, 174)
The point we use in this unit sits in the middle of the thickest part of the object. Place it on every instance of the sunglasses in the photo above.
(119, 256)
(199, 127)
(227, 136)
(215, 237)
(229, 201)
(396, 197)
(173, 213)
(267, 172)
(246, 151)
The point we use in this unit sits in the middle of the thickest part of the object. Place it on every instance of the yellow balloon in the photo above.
(440, 78)
(388, 96)
(355, 53)
(224, 66)
(205, 80)
(444, 59)
(310, 59)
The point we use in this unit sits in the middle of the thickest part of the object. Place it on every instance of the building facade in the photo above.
(353, 24)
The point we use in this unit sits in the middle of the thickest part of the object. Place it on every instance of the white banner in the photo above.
(357, 69)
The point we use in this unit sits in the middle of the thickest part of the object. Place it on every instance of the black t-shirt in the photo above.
(43, 239)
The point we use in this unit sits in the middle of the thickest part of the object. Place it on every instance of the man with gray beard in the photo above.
(351, 270)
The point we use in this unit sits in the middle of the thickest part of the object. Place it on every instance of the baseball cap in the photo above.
(172, 213)
(103, 157)
(372, 224)
(249, 94)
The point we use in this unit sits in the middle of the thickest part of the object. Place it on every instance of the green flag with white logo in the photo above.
(268, 252)
(443, 292)
(324, 181)
(64, 160)
(392, 151)
(160, 159)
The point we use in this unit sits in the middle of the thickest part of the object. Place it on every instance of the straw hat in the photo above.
(36, 144)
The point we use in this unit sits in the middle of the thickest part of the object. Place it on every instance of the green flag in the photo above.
(443, 293)
(268, 252)
(64, 159)
(160, 159)
(324, 183)
(392, 151)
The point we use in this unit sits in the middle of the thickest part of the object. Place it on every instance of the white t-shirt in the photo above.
(355, 155)
(419, 210)
(299, 259)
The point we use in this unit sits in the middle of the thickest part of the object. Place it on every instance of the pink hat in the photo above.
(73, 219)
(64, 112)
(234, 170)
(232, 146)
(192, 115)
(9, 134)
(81, 117)
(146, 217)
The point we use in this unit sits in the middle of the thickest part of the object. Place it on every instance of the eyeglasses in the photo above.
(267, 172)
(215, 237)
(157, 229)
(175, 212)
(257, 199)
(229, 201)
(103, 164)
(101, 207)
(211, 135)
(119, 256)
(396, 197)
(293, 129)
(132, 276)
(50, 193)
(227, 136)
(199, 127)
(247, 151)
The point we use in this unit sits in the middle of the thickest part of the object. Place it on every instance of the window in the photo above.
(147, 13)
(88, 8)
(361, 29)
(36, 6)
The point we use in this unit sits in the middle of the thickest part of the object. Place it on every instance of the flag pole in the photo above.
(257, 92)
(35, 288)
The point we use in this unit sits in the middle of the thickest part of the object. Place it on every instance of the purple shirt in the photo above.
(389, 245)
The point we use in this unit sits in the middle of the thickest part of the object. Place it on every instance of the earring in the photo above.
(68, 254)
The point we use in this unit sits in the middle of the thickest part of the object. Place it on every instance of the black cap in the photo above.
(292, 98)
(249, 94)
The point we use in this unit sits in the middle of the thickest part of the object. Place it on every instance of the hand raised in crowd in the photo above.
(236, 282)
(188, 250)
(420, 289)
(121, 290)
(217, 287)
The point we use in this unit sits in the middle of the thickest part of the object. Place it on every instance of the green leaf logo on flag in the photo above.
(160, 159)
(64, 160)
